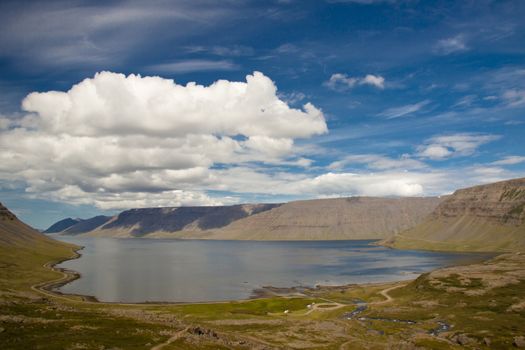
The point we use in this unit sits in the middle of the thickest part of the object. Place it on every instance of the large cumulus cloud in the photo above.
(115, 104)
(113, 140)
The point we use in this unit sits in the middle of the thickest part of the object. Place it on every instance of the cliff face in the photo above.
(498, 203)
(487, 217)
(323, 219)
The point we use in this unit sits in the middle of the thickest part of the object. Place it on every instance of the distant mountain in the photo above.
(62, 225)
(481, 218)
(341, 218)
(142, 222)
(83, 226)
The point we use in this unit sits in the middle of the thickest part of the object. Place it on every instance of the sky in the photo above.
(111, 105)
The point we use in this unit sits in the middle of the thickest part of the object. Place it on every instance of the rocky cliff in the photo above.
(486, 217)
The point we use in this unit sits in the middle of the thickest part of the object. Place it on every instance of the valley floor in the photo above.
(479, 306)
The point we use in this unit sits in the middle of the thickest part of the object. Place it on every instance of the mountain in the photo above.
(83, 226)
(481, 218)
(142, 222)
(320, 219)
(62, 225)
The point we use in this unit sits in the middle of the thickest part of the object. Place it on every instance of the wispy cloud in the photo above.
(446, 146)
(196, 65)
(403, 111)
(450, 45)
(377, 162)
(510, 160)
(80, 34)
(223, 51)
(364, 2)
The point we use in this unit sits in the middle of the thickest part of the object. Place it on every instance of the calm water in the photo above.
(138, 270)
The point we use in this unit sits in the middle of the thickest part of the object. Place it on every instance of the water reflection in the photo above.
(138, 270)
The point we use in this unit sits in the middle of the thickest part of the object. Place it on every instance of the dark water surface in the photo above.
(139, 270)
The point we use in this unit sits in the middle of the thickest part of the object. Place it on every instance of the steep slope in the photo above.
(14, 233)
(481, 218)
(331, 219)
(141, 222)
(19, 243)
(62, 225)
(341, 218)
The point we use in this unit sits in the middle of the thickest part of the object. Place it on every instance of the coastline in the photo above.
(49, 287)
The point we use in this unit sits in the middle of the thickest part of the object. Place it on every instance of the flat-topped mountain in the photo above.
(328, 219)
(321, 219)
(487, 217)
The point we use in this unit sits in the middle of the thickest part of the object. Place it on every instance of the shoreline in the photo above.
(48, 287)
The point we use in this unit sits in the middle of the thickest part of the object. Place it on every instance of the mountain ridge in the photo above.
(318, 219)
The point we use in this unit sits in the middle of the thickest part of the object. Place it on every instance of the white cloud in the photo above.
(386, 184)
(341, 82)
(112, 103)
(510, 160)
(374, 80)
(445, 146)
(114, 136)
(434, 151)
(450, 45)
(402, 111)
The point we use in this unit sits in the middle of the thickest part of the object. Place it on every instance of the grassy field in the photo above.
(479, 307)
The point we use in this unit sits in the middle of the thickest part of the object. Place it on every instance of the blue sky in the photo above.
(403, 98)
